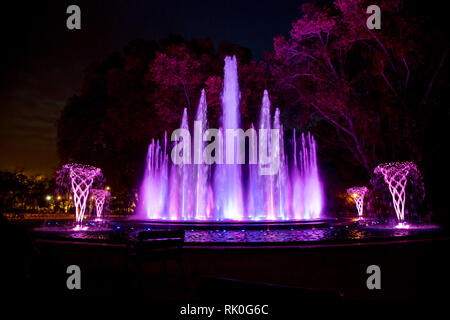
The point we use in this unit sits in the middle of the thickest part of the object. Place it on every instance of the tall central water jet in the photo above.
(228, 176)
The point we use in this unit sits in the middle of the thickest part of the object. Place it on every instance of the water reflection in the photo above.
(347, 233)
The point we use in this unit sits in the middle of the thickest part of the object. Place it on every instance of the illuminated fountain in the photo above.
(156, 180)
(100, 196)
(306, 195)
(228, 176)
(224, 187)
(81, 178)
(203, 192)
(395, 174)
(358, 194)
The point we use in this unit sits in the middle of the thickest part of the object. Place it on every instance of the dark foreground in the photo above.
(281, 277)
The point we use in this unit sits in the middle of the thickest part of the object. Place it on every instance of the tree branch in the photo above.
(430, 85)
(407, 72)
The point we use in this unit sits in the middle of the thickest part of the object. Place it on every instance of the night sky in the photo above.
(42, 61)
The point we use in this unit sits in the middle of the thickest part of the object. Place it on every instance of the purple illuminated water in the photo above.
(203, 191)
(219, 192)
(228, 177)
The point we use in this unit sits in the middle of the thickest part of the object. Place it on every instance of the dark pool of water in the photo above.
(331, 234)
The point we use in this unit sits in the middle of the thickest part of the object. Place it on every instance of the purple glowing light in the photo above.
(228, 177)
(232, 191)
(81, 177)
(395, 175)
(79, 227)
(203, 204)
(307, 199)
(100, 196)
(357, 194)
(402, 225)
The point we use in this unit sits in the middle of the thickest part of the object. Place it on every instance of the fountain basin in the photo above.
(318, 232)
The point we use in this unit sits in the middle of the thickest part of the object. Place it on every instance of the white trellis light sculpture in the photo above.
(395, 175)
(82, 177)
(357, 194)
(100, 196)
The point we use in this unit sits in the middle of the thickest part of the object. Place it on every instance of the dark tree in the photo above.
(134, 96)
